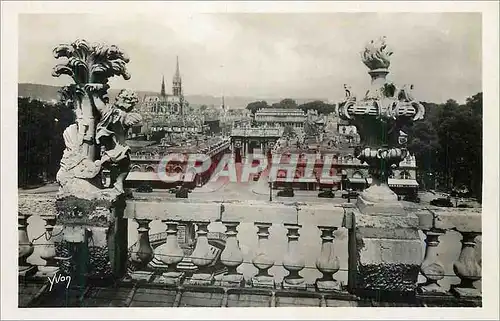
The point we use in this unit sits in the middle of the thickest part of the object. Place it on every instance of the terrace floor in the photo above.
(38, 294)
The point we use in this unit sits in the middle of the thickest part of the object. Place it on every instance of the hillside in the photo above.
(48, 92)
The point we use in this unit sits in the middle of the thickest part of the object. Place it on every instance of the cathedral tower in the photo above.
(163, 93)
(177, 82)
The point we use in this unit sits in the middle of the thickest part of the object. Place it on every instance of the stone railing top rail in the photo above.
(43, 205)
(236, 211)
(159, 208)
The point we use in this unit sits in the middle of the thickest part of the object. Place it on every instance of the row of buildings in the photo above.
(171, 128)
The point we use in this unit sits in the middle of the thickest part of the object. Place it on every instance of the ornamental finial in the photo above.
(376, 54)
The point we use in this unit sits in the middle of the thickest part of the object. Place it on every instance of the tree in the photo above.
(424, 144)
(40, 140)
(321, 107)
(256, 105)
(459, 129)
(448, 143)
(286, 103)
(475, 103)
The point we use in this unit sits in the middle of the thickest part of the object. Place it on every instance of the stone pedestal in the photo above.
(141, 276)
(46, 271)
(328, 285)
(385, 251)
(263, 281)
(232, 280)
(173, 278)
(93, 242)
(201, 279)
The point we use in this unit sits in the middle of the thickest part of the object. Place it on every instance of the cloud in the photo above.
(269, 54)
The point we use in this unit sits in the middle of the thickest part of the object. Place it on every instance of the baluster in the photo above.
(431, 267)
(25, 246)
(467, 268)
(202, 257)
(170, 254)
(232, 257)
(48, 250)
(142, 252)
(293, 261)
(327, 262)
(263, 260)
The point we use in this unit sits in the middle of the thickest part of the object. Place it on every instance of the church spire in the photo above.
(177, 81)
(177, 72)
(163, 93)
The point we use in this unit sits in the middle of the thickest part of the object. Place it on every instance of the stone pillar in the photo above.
(262, 260)
(202, 257)
(142, 253)
(25, 247)
(467, 268)
(170, 254)
(385, 253)
(232, 257)
(293, 261)
(94, 240)
(432, 268)
(48, 250)
(327, 263)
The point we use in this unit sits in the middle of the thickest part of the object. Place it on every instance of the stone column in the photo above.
(327, 263)
(467, 268)
(232, 257)
(262, 260)
(294, 261)
(170, 254)
(202, 257)
(48, 250)
(431, 267)
(25, 247)
(142, 253)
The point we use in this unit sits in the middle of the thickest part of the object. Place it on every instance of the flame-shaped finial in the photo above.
(376, 54)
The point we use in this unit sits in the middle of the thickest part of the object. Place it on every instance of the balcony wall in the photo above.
(281, 223)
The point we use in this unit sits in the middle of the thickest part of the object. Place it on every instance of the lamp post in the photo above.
(349, 191)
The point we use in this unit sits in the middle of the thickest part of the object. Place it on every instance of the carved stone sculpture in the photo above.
(387, 262)
(378, 117)
(99, 124)
(96, 141)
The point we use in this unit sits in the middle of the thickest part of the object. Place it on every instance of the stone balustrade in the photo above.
(40, 241)
(435, 223)
(267, 218)
(263, 215)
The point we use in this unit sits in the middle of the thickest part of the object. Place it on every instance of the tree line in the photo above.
(288, 103)
(40, 140)
(448, 145)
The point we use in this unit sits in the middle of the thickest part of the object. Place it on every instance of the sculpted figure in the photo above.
(100, 126)
(111, 133)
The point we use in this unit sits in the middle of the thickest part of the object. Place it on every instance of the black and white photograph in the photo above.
(250, 155)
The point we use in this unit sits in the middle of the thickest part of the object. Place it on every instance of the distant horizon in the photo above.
(267, 98)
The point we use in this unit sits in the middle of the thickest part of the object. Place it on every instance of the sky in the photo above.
(268, 55)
